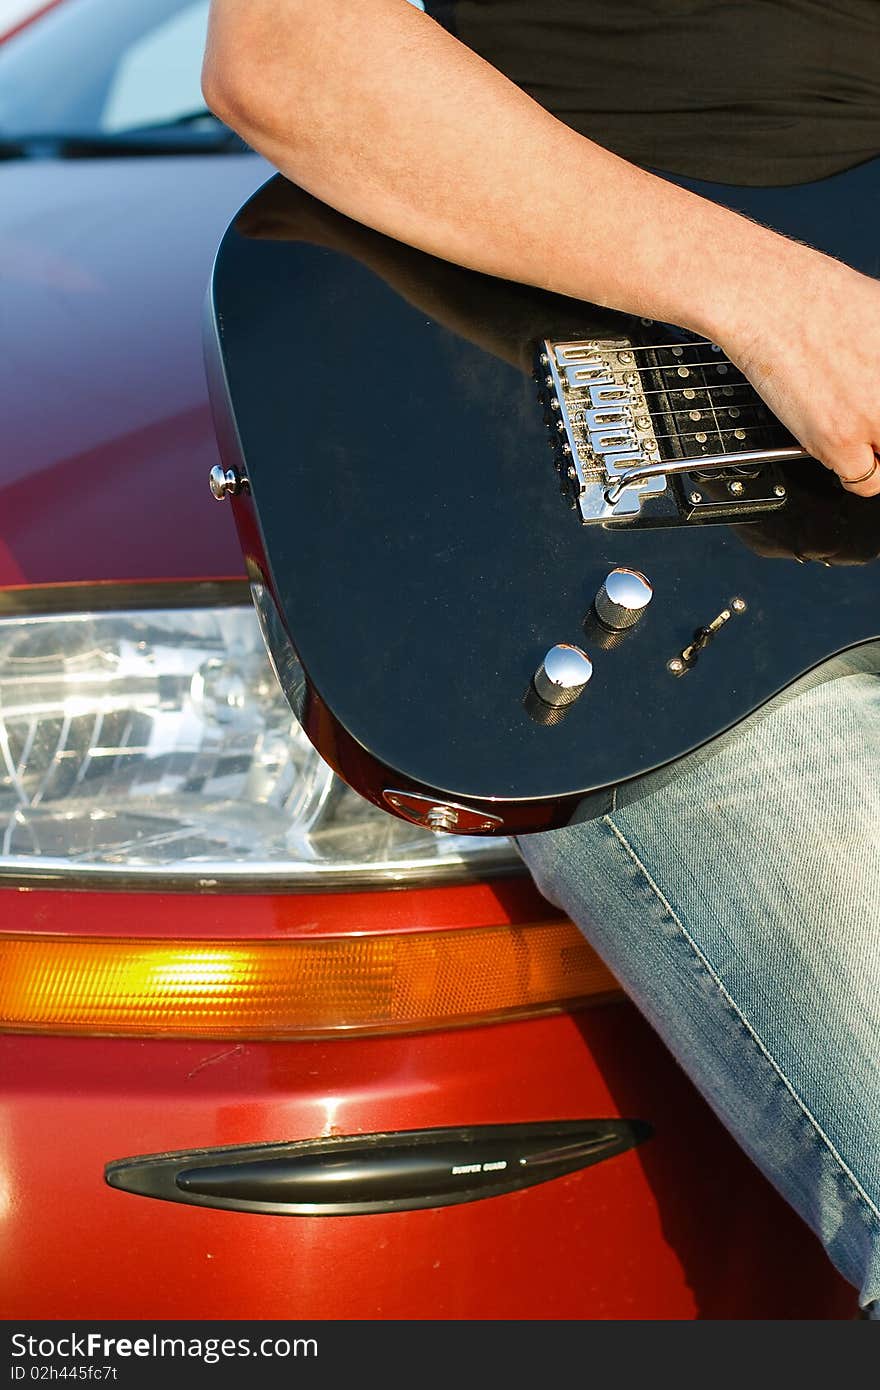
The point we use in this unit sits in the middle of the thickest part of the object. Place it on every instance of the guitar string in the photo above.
(729, 386)
(769, 425)
(651, 347)
(737, 431)
(676, 366)
(707, 387)
(671, 347)
(714, 413)
(694, 403)
(719, 431)
(724, 365)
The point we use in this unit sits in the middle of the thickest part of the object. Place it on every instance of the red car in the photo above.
(208, 944)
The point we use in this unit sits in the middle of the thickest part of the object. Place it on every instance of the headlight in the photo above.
(156, 746)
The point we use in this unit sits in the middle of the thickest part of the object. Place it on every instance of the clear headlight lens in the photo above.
(157, 746)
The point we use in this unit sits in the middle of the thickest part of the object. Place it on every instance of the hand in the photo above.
(811, 348)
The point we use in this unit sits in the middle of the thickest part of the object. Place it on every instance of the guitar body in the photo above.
(416, 546)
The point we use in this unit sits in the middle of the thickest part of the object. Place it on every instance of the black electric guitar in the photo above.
(510, 550)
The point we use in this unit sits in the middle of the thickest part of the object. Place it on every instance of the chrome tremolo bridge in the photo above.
(672, 431)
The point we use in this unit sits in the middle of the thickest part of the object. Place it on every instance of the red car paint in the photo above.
(108, 446)
(36, 12)
(105, 406)
(681, 1227)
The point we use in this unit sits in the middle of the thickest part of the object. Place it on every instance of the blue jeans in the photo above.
(738, 903)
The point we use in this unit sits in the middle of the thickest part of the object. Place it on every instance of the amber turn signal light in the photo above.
(307, 988)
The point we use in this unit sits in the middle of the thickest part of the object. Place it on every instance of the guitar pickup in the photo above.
(732, 489)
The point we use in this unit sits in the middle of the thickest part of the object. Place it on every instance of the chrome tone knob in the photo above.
(225, 482)
(563, 674)
(623, 598)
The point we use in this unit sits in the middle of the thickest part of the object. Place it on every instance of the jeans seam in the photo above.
(731, 1003)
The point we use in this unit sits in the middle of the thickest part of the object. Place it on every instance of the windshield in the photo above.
(104, 67)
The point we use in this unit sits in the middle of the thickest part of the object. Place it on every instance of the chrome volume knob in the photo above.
(562, 674)
(623, 598)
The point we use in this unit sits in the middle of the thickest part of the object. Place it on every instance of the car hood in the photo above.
(107, 433)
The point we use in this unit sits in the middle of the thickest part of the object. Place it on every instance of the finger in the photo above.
(859, 473)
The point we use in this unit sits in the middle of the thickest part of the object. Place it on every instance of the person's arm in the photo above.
(372, 107)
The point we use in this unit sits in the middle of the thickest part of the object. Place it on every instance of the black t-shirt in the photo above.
(736, 91)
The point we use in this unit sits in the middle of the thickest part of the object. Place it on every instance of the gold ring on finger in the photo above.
(863, 477)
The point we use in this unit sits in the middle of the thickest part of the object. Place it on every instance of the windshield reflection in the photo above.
(104, 67)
